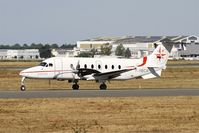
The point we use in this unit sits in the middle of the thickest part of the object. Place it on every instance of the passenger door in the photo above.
(58, 69)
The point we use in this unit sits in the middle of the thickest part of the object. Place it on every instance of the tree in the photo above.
(120, 50)
(85, 54)
(33, 46)
(54, 46)
(68, 46)
(39, 46)
(16, 46)
(106, 49)
(45, 51)
(25, 46)
(93, 52)
(127, 53)
(5, 46)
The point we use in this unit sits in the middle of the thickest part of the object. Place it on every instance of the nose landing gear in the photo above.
(23, 88)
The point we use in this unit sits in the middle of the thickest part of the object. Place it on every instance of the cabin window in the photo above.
(50, 65)
(106, 67)
(85, 66)
(112, 66)
(92, 66)
(119, 67)
(99, 66)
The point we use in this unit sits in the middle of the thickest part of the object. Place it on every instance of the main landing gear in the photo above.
(75, 86)
(23, 88)
(103, 86)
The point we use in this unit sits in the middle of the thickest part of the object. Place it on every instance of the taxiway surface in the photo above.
(98, 93)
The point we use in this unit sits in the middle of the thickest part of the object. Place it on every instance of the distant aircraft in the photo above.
(100, 69)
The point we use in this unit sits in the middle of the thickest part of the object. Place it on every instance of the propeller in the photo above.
(76, 69)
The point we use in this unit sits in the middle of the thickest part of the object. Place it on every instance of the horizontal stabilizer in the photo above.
(153, 74)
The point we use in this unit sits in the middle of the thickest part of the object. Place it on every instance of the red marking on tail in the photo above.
(161, 54)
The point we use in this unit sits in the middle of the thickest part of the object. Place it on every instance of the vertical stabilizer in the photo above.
(160, 55)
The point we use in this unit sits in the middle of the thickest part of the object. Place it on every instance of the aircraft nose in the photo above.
(26, 72)
(22, 73)
(30, 72)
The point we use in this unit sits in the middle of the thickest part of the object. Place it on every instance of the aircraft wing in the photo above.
(83, 73)
(110, 75)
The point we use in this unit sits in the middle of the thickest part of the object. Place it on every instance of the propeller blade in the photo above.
(72, 67)
(75, 69)
(78, 65)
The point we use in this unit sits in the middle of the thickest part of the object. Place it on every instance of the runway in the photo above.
(98, 93)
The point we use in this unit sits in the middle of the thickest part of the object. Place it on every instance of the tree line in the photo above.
(36, 46)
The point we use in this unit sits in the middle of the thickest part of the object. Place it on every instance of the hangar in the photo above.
(27, 54)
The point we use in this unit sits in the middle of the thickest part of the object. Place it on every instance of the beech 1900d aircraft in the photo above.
(100, 69)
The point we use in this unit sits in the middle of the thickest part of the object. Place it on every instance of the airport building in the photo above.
(144, 45)
(88, 45)
(26, 54)
(139, 46)
(65, 52)
(191, 52)
(187, 47)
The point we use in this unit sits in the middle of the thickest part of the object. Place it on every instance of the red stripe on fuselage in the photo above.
(144, 61)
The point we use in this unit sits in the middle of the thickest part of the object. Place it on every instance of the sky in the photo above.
(67, 21)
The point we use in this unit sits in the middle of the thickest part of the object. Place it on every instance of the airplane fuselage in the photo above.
(61, 68)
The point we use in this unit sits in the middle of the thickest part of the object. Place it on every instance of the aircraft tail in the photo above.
(160, 55)
(157, 60)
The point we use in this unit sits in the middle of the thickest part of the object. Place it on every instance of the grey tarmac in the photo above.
(97, 93)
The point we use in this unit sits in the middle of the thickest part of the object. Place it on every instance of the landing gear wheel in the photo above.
(103, 87)
(75, 86)
(23, 88)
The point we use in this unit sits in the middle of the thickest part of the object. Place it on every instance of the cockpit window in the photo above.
(42, 64)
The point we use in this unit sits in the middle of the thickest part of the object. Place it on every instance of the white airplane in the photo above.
(100, 69)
